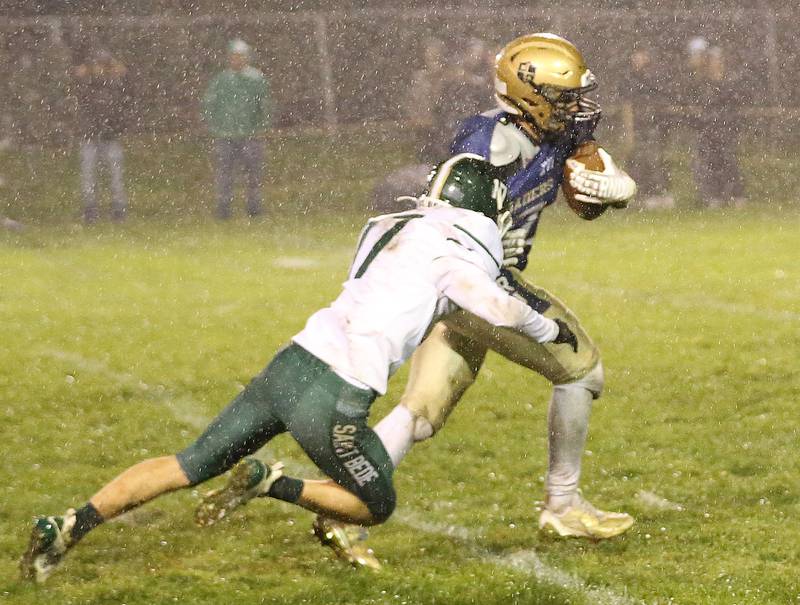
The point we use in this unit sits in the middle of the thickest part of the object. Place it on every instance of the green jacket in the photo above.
(236, 104)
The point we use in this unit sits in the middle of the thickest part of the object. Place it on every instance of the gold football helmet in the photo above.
(543, 78)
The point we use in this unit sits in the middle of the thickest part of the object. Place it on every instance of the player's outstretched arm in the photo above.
(472, 289)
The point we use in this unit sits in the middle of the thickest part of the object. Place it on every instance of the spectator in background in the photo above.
(471, 89)
(450, 86)
(466, 88)
(418, 115)
(419, 111)
(6, 222)
(714, 165)
(103, 100)
(236, 107)
(645, 116)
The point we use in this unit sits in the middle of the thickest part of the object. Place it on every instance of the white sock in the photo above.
(396, 431)
(568, 424)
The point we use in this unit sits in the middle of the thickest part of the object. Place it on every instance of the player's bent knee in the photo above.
(423, 429)
(432, 401)
(383, 508)
(592, 382)
(442, 369)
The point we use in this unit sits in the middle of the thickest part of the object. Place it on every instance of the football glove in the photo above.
(565, 335)
(513, 240)
(612, 186)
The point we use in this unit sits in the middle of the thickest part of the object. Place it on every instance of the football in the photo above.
(586, 154)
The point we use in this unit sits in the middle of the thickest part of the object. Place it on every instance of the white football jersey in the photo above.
(410, 269)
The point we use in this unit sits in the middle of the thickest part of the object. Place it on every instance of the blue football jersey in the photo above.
(534, 169)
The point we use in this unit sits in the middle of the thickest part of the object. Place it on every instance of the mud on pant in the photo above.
(327, 416)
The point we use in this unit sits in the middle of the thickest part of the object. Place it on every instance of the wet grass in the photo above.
(307, 172)
(173, 181)
(118, 342)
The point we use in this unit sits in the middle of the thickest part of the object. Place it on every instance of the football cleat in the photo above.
(50, 540)
(582, 520)
(348, 542)
(248, 479)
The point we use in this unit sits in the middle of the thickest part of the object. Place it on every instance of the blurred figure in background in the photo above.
(450, 86)
(645, 119)
(5, 221)
(103, 98)
(420, 102)
(419, 117)
(465, 89)
(714, 165)
(236, 108)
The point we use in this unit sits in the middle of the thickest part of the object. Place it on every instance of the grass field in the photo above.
(121, 342)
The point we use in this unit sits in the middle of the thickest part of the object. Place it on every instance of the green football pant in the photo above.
(326, 415)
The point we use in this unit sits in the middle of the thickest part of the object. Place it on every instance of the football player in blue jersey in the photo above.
(543, 115)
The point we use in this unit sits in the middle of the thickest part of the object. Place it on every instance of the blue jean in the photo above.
(228, 155)
(111, 154)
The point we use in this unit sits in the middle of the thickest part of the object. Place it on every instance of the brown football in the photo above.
(586, 154)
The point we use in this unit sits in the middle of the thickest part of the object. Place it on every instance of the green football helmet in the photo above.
(467, 181)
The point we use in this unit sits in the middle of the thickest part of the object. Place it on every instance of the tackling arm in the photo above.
(472, 289)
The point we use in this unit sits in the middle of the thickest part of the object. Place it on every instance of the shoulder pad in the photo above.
(509, 144)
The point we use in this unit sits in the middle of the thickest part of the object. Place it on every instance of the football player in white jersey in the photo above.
(543, 115)
(410, 270)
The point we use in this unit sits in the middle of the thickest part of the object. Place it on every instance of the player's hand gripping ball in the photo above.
(586, 157)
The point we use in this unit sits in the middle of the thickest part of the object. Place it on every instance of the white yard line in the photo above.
(183, 409)
(654, 501)
(529, 561)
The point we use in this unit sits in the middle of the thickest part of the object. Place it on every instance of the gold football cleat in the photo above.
(582, 520)
(347, 541)
(248, 479)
